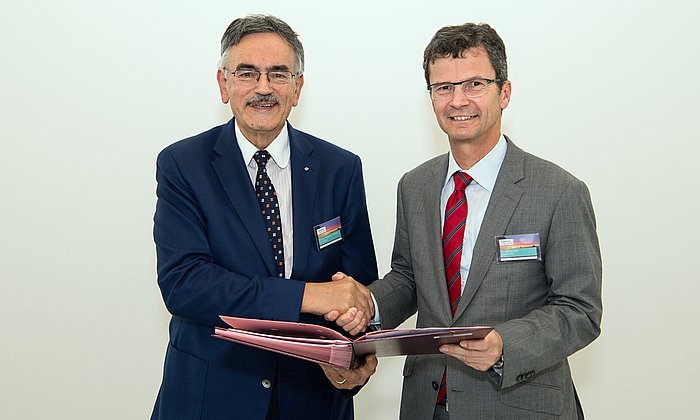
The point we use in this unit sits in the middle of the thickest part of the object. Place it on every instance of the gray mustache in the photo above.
(255, 100)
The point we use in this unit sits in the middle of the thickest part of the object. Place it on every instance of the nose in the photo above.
(263, 86)
(459, 98)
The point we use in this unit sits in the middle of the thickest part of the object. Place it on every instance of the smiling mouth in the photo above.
(263, 105)
(463, 118)
(262, 101)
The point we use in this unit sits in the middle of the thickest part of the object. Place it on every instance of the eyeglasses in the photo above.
(472, 88)
(249, 77)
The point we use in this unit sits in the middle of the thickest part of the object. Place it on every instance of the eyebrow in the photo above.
(245, 66)
(467, 80)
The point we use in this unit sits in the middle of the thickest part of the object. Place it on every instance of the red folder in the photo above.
(323, 345)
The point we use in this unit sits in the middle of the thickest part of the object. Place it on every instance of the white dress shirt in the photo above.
(484, 173)
(280, 172)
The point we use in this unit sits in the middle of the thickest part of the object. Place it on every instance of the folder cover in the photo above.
(320, 344)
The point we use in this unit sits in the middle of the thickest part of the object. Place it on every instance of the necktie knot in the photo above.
(461, 179)
(261, 157)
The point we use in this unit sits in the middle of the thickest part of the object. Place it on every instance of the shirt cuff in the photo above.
(375, 324)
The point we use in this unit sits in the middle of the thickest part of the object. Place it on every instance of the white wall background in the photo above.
(92, 90)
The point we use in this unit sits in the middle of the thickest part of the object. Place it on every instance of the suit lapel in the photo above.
(504, 199)
(431, 200)
(234, 178)
(305, 174)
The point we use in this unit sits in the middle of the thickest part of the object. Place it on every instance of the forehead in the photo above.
(473, 62)
(263, 50)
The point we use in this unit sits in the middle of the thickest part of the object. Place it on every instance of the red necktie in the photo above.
(267, 198)
(452, 240)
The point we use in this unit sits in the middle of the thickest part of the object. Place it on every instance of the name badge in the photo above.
(328, 233)
(519, 247)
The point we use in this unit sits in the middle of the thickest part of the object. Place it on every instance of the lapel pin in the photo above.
(306, 169)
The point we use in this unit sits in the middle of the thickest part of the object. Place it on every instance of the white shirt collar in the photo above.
(485, 171)
(278, 149)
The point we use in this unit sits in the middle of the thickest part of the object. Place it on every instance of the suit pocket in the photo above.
(534, 396)
(182, 392)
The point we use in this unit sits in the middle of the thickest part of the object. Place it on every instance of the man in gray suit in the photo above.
(526, 259)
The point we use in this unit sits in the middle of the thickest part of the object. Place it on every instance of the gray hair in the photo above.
(254, 24)
(454, 41)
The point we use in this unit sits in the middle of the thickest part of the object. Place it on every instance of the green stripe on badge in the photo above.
(329, 238)
(519, 252)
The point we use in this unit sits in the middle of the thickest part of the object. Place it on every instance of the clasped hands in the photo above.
(350, 305)
(480, 354)
(342, 300)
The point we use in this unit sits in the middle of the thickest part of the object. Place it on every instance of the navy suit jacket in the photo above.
(214, 257)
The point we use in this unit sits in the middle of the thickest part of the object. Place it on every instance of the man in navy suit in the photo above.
(220, 251)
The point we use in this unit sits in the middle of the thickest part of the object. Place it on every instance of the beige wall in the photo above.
(90, 92)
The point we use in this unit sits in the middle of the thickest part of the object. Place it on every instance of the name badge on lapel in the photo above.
(519, 247)
(328, 233)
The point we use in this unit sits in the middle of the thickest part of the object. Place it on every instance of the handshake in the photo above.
(350, 305)
(343, 300)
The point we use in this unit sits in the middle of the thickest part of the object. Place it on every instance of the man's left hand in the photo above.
(478, 354)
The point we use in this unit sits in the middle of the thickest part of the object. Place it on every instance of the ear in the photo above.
(505, 94)
(223, 87)
(298, 84)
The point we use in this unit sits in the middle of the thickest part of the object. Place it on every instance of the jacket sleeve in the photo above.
(396, 292)
(193, 285)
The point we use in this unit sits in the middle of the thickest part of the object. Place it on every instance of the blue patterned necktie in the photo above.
(267, 198)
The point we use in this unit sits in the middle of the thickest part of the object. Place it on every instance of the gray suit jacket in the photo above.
(544, 310)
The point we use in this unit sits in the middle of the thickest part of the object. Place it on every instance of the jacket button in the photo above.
(266, 383)
(435, 385)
